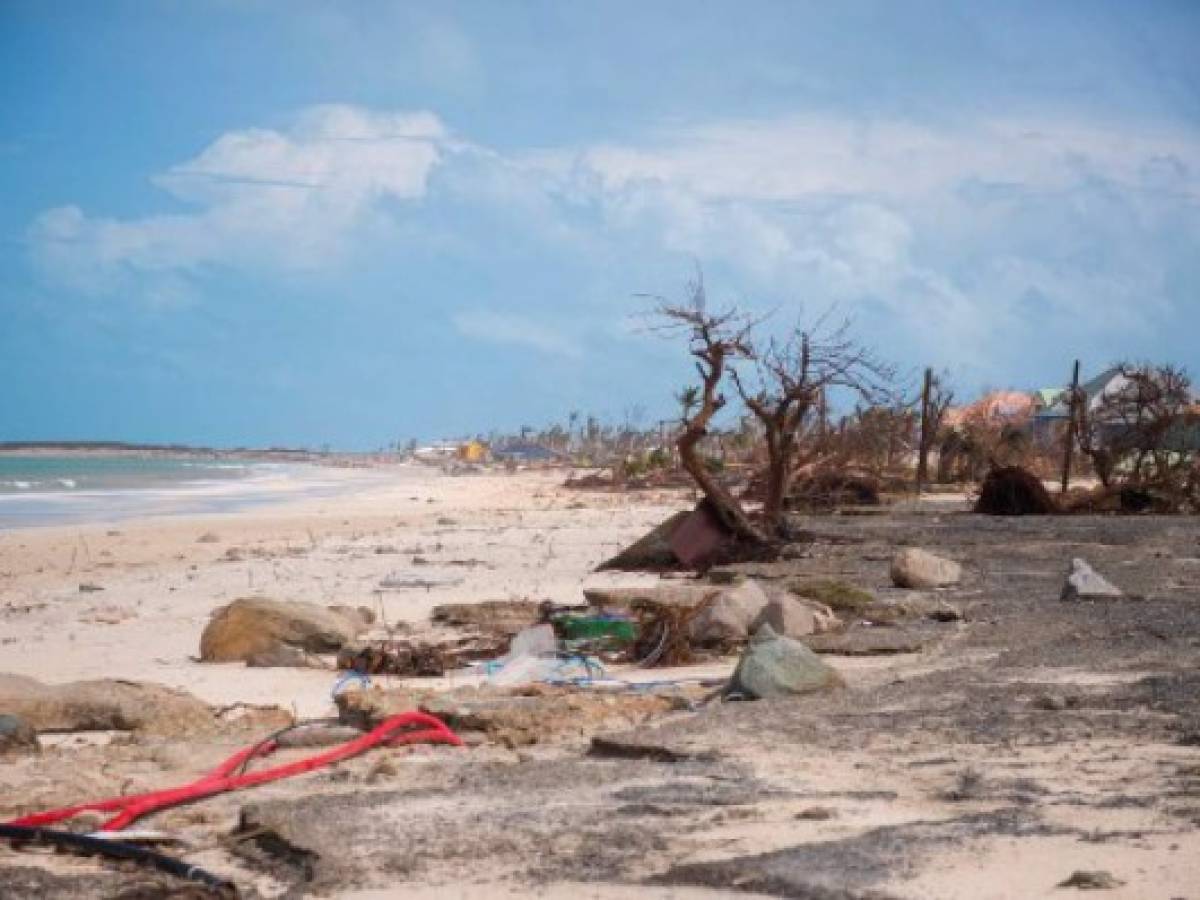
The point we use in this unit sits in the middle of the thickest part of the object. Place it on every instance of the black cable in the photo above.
(118, 850)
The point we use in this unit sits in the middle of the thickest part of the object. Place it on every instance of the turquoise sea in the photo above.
(49, 490)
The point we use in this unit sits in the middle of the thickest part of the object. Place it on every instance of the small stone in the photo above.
(817, 814)
(916, 568)
(1050, 702)
(1098, 880)
(1085, 583)
(16, 736)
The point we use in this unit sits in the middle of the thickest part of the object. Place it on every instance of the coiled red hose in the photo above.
(130, 808)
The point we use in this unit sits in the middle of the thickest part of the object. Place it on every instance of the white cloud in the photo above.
(290, 199)
(505, 328)
(792, 159)
(943, 232)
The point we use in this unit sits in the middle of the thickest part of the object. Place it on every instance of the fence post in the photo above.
(1072, 400)
(923, 443)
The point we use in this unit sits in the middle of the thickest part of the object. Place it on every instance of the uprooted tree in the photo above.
(785, 385)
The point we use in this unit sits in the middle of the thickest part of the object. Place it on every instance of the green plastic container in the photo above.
(597, 628)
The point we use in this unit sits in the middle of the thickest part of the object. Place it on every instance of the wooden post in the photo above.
(923, 442)
(1072, 399)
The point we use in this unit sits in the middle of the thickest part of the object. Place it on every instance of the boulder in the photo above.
(915, 568)
(776, 666)
(104, 705)
(16, 736)
(253, 625)
(793, 617)
(1085, 583)
(726, 619)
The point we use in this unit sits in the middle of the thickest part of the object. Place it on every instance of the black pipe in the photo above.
(118, 850)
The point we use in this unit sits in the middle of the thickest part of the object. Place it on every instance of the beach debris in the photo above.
(253, 625)
(687, 594)
(283, 656)
(602, 632)
(817, 814)
(104, 705)
(699, 536)
(639, 745)
(775, 666)
(726, 620)
(420, 658)
(209, 537)
(109, 614)
(650, 553)
(204, 884)
(1085, 583)
(233, 773)
(17, 736)
(89, 587)
(505, 617)
(1094, 880)
(664, 635)
(1013, 491)
(399, 581)
(916, 568)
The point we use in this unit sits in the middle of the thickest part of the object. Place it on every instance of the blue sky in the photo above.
(255, 222)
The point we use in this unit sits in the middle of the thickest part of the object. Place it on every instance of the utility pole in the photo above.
(1072, 402)
(923, 444)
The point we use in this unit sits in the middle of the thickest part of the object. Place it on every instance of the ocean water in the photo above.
(50, 490)
(40, 474)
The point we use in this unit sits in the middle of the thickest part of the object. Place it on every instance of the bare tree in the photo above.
(794, 377)
(715, 339)
(1142, 430)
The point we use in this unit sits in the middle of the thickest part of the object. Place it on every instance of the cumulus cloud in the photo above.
(952, 236)
(263, 197)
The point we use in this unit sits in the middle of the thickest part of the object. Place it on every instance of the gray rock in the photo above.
(775, 666)
(728, 617)
(16, 736)
(916, 568)
(1085, 583)
(793, 617)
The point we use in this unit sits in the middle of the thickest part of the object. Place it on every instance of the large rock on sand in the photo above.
(794, 617)
(256, 625)
(726, 619)
(1085, 583)
(915, 568)
(104, 705)
(777, 666)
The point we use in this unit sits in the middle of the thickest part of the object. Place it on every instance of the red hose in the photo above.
(132, 807)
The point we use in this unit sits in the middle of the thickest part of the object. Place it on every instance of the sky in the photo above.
(284, 222)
